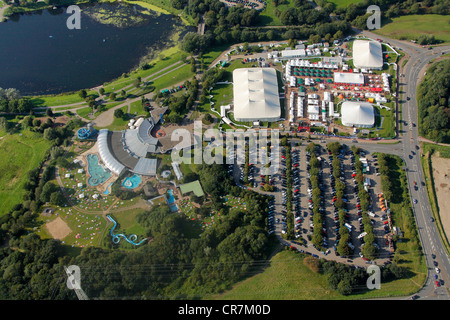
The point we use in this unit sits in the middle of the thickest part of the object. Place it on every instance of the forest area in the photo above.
(433, 96)
(174, 265)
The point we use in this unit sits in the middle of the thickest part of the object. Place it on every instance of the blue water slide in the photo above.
(116, 237)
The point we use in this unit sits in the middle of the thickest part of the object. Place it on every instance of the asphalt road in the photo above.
(413, 71)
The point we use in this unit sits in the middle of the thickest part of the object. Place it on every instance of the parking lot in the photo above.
(302, 204)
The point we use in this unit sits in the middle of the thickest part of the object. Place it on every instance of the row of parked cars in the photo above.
(271, 216)
(283, 191)
(295, 173)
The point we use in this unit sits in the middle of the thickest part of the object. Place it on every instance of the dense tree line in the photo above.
(179, 105)
(228, 25)
(11, 101)
(433, 96)
(314, 168)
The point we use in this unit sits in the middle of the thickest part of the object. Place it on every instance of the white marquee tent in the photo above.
(256, 96)
(367, 54)
(357, 114)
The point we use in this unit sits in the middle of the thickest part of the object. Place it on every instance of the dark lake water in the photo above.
(40, 55)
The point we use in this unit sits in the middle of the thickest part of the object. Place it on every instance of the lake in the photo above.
(40, 55)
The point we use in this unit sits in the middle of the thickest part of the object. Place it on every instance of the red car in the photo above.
(437, 283)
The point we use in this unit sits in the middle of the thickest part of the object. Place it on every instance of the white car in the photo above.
(437, 270)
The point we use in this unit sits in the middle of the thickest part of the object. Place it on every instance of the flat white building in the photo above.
(349, 78)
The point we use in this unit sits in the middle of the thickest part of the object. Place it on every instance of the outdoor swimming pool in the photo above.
(170, 201)
(132, 182)
(107, 189)
(98, 174)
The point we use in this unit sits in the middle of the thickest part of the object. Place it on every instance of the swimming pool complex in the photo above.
(132, 182)
(98, 174)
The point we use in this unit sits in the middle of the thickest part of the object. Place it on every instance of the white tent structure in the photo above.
(256, 96)
(105, 154)
(357, 114)
(349, 78)
(367, 54)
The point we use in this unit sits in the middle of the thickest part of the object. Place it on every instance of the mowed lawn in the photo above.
(411, 27)
(19, 153)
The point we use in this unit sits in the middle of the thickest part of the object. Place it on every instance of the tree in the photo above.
(345, 287)
(4, 124)
(101, 91)
(57, 198)
(28, 121)
(118, 113)
(190, 42)
(55, 152)
(137, 82)
(47, 190)
(338, 35)
(50, 134)
(82, 93)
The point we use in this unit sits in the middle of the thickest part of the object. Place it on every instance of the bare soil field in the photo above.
(441, 176)
(58, 229)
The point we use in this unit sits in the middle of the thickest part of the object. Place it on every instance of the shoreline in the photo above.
(150, 57)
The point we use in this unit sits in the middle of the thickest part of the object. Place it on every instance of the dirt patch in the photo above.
(441, 176)
(58, 229)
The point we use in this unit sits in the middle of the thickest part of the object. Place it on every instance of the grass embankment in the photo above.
(410, 27)
(19, 154)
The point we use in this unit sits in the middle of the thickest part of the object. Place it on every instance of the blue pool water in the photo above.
(98, 174)
(173, 207)
(132, 182)
(171, 197)
(107, 189)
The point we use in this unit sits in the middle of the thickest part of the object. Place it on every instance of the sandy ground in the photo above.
(58, 229)
(441, 175)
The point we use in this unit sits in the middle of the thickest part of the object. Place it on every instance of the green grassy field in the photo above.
(268, 16)
(288, 278)
(343, 3)
(19, 153)
(169, 80)
(60, 99)
(412, 26)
